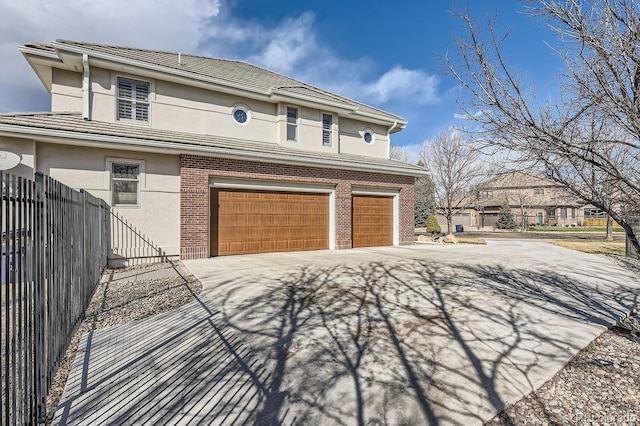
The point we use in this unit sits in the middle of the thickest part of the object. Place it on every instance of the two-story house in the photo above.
(533, 199)
(213, 157)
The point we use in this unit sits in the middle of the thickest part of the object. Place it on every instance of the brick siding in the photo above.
(195, 172)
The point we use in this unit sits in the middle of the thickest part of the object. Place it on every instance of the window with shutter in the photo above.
(292, 124)
(133, 100)
(327, 121)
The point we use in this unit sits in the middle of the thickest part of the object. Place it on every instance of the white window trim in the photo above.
(373, 136)
(141, 181)
(152, 92)
(286, 120)
(246, 109)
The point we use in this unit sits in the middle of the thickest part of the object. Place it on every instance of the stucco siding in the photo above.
(26, 150)
(158, 216)
(352, 138)
(66, 90)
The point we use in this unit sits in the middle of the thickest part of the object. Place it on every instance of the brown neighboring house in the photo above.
(533, 199)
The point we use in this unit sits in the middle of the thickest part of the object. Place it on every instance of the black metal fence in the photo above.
(54, 249)
(634, 221)
(129, 246)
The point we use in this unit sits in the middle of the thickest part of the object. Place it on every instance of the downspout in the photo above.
(85, 87)
(393, 126)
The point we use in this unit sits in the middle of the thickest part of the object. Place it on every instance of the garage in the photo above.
(244, 221)
(372, 220)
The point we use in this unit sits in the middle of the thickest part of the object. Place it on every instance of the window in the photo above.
(563, 213)
(241, 114)
(327, 121)
(573, 212)
(133, 100)
(551, 213)
(487, 195)
(292, 124)
(125, 184)
(594, 214)
(368, 136)
(538, 191)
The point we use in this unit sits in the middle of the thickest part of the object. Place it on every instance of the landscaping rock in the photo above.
(450, 239)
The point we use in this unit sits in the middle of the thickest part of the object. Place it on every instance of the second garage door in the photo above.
(258, 222)
(372, 221)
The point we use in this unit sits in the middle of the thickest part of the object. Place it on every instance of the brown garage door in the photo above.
(372, 221)
(259, 222)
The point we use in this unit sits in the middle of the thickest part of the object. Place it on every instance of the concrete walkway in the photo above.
(399, 335)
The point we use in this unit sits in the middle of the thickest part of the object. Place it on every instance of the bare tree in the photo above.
(400, 153)
(424, 191)
(455, 168)
(587, 140)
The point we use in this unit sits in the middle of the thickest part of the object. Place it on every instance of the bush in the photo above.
(432, 224)
(505, 218)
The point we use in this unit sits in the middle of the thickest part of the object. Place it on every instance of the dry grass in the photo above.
(591, 246)
(471, 240)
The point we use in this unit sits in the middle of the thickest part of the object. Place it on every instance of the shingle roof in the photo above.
(224, 70)
(72, 125)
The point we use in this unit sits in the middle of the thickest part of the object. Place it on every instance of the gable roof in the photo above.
(222, 72)
(71, 128)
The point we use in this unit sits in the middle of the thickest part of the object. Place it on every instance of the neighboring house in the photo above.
(213, 157)
(534, 200)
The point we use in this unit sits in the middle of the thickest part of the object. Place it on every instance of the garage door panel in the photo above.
(372, 221)
(256, 222)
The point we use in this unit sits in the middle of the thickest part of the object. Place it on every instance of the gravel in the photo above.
(599, 386)
(120, 302)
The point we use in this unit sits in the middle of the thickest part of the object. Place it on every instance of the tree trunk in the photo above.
(609, 236)
(449, 224)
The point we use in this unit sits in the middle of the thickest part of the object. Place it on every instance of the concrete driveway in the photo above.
(398, 335)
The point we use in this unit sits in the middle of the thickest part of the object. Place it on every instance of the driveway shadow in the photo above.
(402, 341)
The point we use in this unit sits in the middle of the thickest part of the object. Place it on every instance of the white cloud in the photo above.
(402, 83)
(156, 24)
(467, 116)
(289, 44)
(206, 27)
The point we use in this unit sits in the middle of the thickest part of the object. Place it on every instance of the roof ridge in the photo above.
(38, 113)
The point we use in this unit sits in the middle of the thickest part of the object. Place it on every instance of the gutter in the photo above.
(133, 144)
(86, 87)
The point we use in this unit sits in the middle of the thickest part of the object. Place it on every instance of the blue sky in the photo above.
(376, 52)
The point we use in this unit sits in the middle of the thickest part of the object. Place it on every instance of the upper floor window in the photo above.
(241, 114)
(125, 183)
(133, 100)
(368, 136)
(538, 191)
(488, 195)
(292, 123)
(327, 122)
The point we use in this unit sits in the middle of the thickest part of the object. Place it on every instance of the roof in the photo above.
(518, 188)
(72, 128)
(232, 73)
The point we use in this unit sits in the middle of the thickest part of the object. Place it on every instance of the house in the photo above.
(533, 199)
(213, 157)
